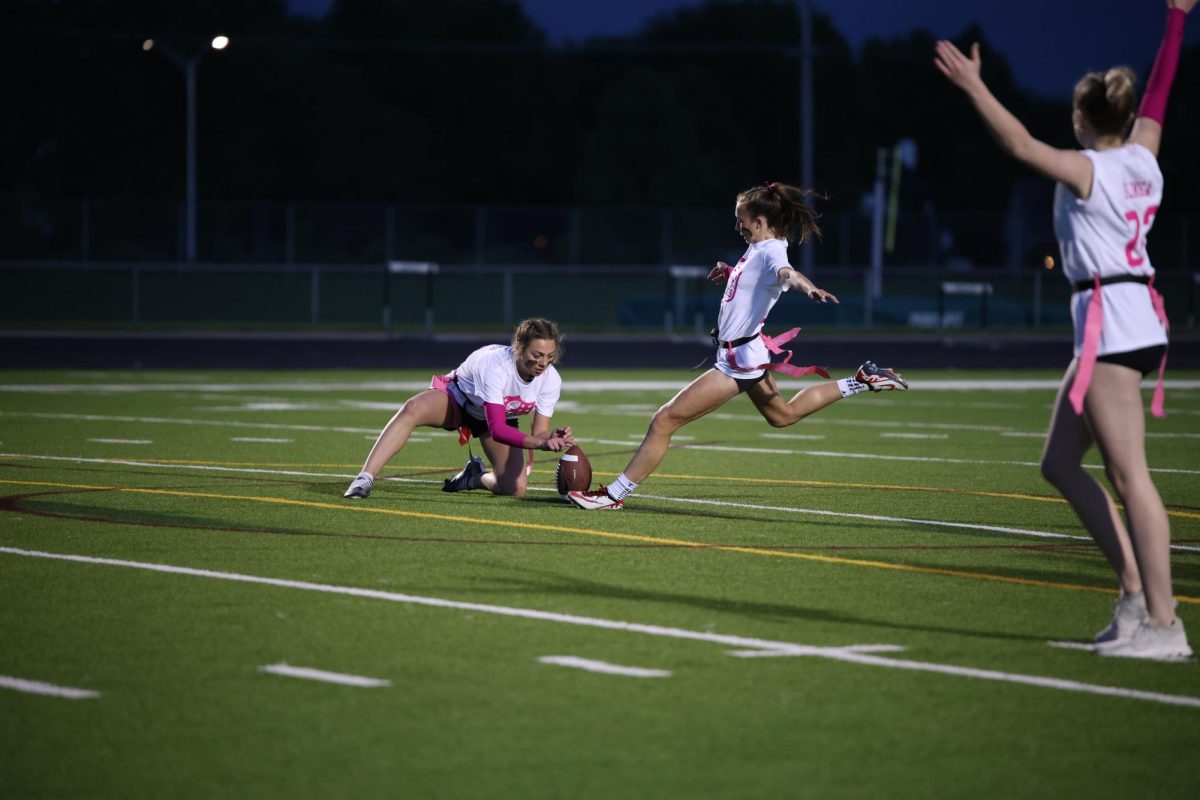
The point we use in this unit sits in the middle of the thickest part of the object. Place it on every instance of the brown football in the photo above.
(574, 473)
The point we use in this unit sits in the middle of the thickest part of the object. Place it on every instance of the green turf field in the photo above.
(856, 606)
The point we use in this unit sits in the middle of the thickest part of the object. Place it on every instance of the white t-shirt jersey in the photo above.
(489, 375)
(752, 290)
(1105, 235)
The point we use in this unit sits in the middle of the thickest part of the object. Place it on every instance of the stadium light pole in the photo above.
(188, 65)
(806, 118)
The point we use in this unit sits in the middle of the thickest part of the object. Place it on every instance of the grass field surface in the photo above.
(860, 605)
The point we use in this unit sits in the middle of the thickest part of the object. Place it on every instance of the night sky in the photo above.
(1049, 43)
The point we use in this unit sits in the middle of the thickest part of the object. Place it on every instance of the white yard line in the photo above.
(214, 423)
(122, 441)
(260, 439)
(684, 500)
(310, 674)
(963, 385)
(589, 665)
(844, 653)
(795, 436)
(38, 687)
(1087, 646)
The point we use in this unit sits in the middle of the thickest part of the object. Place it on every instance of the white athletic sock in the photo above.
(850, 387)
(364, 474)
(621, 487)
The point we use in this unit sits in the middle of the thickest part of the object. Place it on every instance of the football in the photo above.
(574, 473)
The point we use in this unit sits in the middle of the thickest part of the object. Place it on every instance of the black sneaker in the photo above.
(462, 481)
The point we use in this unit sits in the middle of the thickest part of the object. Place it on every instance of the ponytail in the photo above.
(1107, 100)
(785, 207)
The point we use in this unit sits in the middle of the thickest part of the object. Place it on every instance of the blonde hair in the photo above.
(537, 328)
(1107, 100)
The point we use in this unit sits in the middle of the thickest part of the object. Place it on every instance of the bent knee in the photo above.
(512, 488)
(1057, 471)
(665, 421)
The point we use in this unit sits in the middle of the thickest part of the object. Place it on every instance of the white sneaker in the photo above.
(592, 501)
(461, 482)
(1130, 613)
(360, 487)
(1153, 642)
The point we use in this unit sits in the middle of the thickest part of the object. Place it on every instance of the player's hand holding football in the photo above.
(559, 440)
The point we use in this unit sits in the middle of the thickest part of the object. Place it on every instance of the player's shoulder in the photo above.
(551, 378)
(494, 352)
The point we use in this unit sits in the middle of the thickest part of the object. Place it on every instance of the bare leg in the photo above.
(766, 398)
(508, 468)
(430, 408)
(1068, 439)
(704, 395)
(1117, 419)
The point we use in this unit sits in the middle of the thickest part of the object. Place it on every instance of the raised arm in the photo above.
(1066, 166)
(1147, 128)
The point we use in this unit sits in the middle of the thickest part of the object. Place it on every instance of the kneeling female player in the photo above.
(483, 397)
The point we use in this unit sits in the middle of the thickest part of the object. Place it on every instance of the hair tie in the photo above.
(769, 184)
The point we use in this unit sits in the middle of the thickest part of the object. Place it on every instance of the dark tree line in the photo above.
(464, 101)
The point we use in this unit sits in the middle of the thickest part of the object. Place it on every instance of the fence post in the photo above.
(314, 312)
(426, 268)
(136, 287)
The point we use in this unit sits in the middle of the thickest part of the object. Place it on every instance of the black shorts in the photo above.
(478, 427)
(744, 384)
(1144, 361)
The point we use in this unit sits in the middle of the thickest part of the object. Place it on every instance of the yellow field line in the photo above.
(590, 532)
(1036, 498)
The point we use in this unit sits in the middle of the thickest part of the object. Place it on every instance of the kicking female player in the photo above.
(1105, 202)
(766, 218)
(483, 397)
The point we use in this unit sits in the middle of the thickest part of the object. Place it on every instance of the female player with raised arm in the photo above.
(1104, 205)
(483, 397)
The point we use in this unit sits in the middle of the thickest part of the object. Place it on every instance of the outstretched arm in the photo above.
(1066, 166)
(504, 433)
(795, 279)
(1147, 128)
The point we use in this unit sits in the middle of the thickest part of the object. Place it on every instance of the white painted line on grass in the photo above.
(804, 651)
(601, 666)
(685, 500)
(122, 441)
(215, 423)
(310, 674)
(933, 460)
(893, 435)
(1088, 646)
(794, 436)
(742, 642)
(964, 385)
(38, 687)
(263, 440)
(725, 449)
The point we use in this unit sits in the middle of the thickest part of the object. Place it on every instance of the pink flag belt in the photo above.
(1091, 339)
